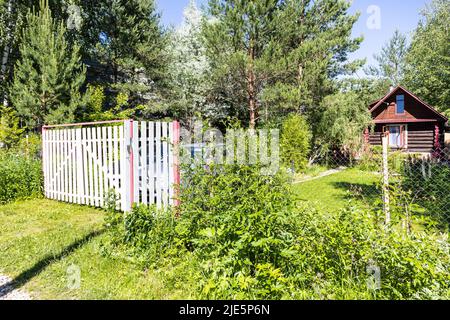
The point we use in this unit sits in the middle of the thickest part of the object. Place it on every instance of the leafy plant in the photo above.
(10, 131)
(295, 142)
(20, 176)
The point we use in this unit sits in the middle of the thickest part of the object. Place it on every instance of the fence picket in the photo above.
(99, 176)
(79, 167)
(158, 163)
(52, 165)
(71, 180)
(85, 145)
(58, 167)
(144, 163)
(164, 163)
(110, 160)
(104, 164)
(171, 177)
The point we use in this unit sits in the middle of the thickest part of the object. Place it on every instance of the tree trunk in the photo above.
(6, 51)
(251, 88)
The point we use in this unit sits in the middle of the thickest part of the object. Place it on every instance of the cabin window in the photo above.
(400, 104)
(398, 136)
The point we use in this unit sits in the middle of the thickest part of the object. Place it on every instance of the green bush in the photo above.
(371, 159)
(20, 176)
(237, 220)
(249, 238)
(148, 231)
(295, 142)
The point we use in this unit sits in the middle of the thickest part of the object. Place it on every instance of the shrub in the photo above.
(30, 146)
(147, 230)
(10, 131)
(295, 142)
(248, 238)
(371, 159)
(20, 176)
(150, 229)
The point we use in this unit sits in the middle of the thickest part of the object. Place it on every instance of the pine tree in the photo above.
(125, 37)
(428, 60)
(238, 43)
(391, 60)
(272, 57)
(49, 74)
(312, 44)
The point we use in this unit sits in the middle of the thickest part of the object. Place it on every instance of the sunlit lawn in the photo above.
(334, 192)
(41, 239)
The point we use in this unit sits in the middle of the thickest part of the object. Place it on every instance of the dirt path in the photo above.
(7, 293)
(323, 174)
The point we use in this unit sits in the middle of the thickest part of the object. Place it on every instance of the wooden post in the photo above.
(127, 166)
(386, 206)
(176, 165)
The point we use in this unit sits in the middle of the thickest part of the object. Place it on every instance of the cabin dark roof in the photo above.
(376, 104)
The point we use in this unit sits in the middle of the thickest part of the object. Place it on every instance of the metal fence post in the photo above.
(386, 206)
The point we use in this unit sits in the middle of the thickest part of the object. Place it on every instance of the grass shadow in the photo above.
(367, 193)
(41, 265)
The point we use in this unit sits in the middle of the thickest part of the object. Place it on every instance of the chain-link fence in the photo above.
(420, 188)
(407, 189)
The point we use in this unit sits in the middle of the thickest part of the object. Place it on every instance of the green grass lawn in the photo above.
(41, 239)
(335, 191)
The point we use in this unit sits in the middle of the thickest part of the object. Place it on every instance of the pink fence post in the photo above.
(437, 142)
(176, 163)
(131, 163)
(44, 159)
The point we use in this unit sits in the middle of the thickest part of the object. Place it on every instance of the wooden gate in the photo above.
(134, 161)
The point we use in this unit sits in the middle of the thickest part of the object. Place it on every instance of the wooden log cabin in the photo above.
(413, 125)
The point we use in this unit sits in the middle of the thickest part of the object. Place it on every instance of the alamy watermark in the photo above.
(374, 276)
(374, 20)
(73, 277)
(237, 146)
(74, 20)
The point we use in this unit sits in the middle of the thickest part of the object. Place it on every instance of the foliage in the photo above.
(190, 70)
(49, 74)
(295, 142)
(391, 60)
(265, 63)
(428, 61)
(20, 176)
(150, 230)
(12, 20)
(30, 145)
(236, 219)
(257, 242)
(371, 159)
(427, 181)
(10, 132)
(130, 48)
(368, 89)
(344, 119)
(94, 101)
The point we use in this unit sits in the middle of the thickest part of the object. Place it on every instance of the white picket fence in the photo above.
(83, 163)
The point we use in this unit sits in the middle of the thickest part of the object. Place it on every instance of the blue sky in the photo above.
(394, 14)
